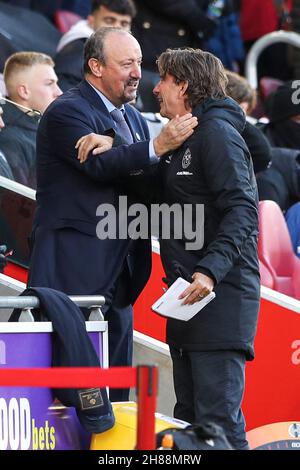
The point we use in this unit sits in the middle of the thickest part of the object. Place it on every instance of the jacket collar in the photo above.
(14, 117)
(94, 99)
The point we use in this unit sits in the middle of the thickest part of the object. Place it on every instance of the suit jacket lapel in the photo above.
(94, 99)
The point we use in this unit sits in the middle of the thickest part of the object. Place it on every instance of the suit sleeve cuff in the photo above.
(206, 272)
(152, 155)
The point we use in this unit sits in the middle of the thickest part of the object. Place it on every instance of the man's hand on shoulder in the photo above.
(174, 133)
(92, 142)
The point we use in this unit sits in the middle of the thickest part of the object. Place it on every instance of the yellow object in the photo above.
(123, 435)
(167, 441)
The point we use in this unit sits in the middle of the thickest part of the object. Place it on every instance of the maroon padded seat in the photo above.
(64, 19)
(275, 249)
(267, 85)
(266, 278)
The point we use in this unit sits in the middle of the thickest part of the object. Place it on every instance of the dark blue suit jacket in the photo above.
(67, 255)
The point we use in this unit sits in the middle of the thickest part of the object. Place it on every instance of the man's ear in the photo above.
(183, 86)
(96, 67)
(245, 106)
(23, 92)
(91, 21)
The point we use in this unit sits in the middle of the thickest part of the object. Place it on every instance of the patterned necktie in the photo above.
(121, 125)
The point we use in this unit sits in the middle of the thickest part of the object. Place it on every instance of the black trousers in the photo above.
(209, 386)
(120, 344)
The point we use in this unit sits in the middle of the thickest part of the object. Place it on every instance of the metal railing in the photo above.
(272, 38)
(143, 377)
(27, 303)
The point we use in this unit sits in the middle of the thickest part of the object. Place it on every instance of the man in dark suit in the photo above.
(66, 254)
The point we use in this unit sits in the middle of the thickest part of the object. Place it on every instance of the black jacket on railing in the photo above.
(72, 347)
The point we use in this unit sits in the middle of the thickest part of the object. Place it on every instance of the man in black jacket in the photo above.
(2, 257)
(281, 181)
(4, 166)
(4, 171)
(212, 168)
(31, 85)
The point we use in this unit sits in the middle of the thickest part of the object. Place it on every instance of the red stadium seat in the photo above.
(266, 278)
(64, 19)
(267, 85)
(275, 250)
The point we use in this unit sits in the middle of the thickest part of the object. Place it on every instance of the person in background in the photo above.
(69, 57)
(292, 218)
(277, 169)
(280, 182)
(3, 260)
(4, 166)
(31, 85)
(69, 194)
(226, 42)
(283, 111)
(167, 23)
(240, 90)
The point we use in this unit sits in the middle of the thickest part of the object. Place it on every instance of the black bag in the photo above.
(207, 436)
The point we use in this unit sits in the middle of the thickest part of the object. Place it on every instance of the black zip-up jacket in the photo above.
(214, 168)
(18, 143)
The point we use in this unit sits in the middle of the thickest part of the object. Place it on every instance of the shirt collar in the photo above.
(108, 104)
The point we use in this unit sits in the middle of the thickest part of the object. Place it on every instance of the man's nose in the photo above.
(156, 89)
(57, 91)
(136, 71)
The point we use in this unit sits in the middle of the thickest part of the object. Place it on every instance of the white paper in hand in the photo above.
(170, 306)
